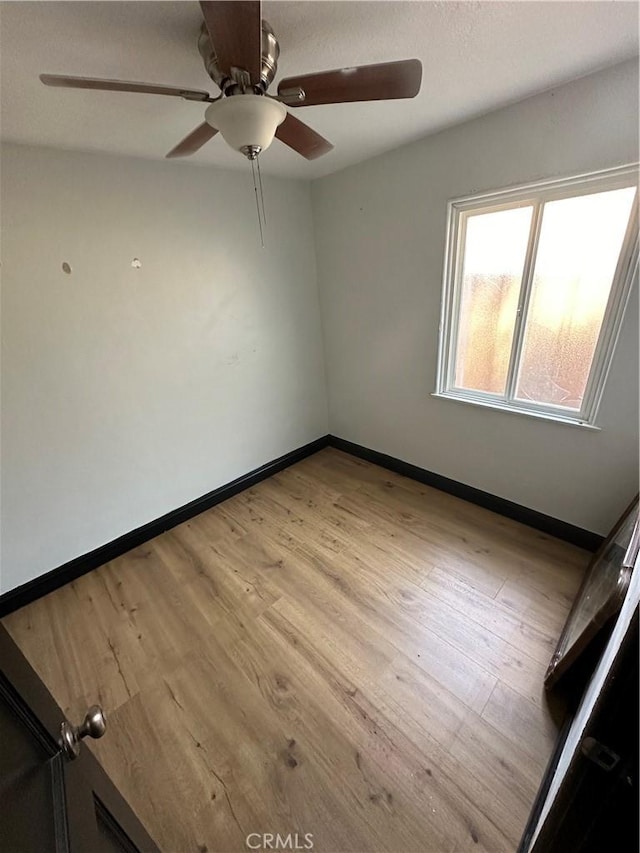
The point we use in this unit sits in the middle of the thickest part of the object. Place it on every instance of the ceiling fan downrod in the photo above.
(229, 80)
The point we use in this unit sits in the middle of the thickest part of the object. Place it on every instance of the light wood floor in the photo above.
(337, 651)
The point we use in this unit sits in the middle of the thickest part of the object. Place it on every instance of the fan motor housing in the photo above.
(269, 63)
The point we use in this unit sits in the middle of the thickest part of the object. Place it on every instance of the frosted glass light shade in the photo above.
(246, 120)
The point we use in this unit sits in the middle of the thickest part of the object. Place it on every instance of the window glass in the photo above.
(578, 251)
(494, 255)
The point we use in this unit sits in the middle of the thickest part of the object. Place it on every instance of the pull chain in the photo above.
(264, 218)
(255, 189)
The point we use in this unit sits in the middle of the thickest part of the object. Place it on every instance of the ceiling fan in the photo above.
(240, 53)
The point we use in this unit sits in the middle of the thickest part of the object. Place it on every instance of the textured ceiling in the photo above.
(476, 56)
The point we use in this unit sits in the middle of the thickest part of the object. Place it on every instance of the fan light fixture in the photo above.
(247, 123)
(240, 53)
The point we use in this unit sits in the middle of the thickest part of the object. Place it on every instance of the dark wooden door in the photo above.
(596, 807)
(47, 801)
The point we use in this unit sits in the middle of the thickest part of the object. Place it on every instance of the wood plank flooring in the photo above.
(337, 651)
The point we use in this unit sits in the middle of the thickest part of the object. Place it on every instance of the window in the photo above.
(535, 286)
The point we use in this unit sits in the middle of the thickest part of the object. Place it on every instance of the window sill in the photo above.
(503, 407)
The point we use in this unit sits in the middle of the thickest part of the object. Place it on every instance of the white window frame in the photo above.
(535, 195)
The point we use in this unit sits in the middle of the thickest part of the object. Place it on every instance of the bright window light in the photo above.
(536, 281)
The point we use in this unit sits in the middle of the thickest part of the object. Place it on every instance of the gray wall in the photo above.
(128, 392)
(380, 230)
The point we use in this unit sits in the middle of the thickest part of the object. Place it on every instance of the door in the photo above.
(595, 806)
(599, 599)
(51, 800)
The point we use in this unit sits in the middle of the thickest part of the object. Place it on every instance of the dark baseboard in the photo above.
(36, 588)
(553, 526)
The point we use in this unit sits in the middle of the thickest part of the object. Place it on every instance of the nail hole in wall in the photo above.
(136, 263)
(66, 268)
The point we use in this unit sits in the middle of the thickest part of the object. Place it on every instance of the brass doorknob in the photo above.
(94, 725)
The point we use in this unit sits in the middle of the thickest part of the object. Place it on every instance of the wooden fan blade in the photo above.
(235, 30)
(302, 138)
(192, 143)
(381, 82)
(122, 86)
